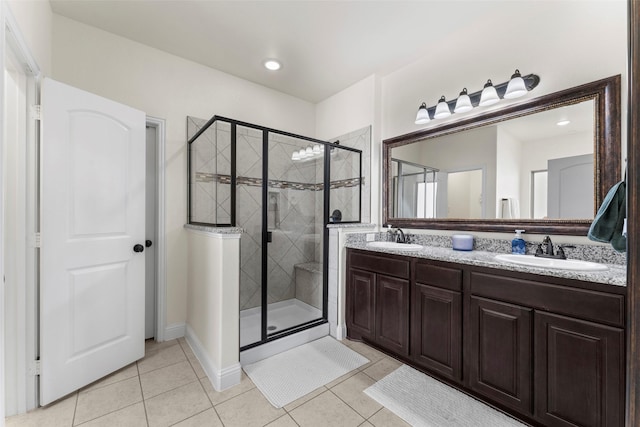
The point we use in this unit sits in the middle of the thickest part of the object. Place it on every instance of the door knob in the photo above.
(148, 243)
(138, 248)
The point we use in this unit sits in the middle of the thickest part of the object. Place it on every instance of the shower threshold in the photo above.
(280, 316)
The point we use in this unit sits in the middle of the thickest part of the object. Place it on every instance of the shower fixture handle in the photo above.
(138, 248)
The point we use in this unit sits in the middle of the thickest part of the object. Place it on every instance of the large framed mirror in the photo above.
(519, 167)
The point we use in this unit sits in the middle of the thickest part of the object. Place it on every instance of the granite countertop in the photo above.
(214, 230)
(616, 274)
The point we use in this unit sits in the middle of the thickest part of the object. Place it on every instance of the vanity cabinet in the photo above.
(548, 350)
(499, 355)
(378, 302)
(436, 320)
(579, 372)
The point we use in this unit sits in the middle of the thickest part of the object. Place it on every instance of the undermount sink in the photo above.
(558, 264)
(395, 246)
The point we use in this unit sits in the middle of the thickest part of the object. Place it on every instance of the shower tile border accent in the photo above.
(274, 183)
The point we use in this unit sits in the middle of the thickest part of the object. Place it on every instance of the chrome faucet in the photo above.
(396, 234)
(545, 249)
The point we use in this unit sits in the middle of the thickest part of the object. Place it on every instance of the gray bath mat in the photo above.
(290, 375)
(424, 402)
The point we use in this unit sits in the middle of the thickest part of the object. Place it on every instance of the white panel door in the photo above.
(570, 187)
(93, 213)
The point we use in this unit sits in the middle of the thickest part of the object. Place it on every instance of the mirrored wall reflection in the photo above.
(283, 212)
(539, 166)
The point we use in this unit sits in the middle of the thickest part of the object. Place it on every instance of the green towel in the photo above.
(608, 223)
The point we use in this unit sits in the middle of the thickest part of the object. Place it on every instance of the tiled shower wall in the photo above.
(295, 199)
(292, 209)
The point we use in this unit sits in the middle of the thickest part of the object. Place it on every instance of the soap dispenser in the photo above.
(517, 244)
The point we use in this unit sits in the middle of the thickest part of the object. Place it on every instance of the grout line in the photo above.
(75, 409)
(144, 402)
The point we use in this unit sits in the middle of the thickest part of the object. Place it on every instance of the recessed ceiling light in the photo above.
(563, 122)
(272, 64)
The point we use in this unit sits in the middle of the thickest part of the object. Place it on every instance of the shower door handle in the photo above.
(269, 236)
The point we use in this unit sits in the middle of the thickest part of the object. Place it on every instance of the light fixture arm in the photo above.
(530, 81)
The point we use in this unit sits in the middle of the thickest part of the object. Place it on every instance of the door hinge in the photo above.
(34, 368)
(36, 240)
(36, 112)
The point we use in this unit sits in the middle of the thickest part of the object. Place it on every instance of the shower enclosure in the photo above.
(282, 190)
(415, 190)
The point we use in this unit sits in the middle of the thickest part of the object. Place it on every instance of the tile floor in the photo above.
(169, 388)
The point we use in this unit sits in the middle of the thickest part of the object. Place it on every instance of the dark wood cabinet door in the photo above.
(360, 304)
(392, 314)
(499, 354)
(436, 330)
(579, 369)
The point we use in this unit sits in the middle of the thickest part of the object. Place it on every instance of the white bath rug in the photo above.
(290, 375)
(425, 402)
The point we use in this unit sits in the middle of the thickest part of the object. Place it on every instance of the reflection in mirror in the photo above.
(581, 160)
(532, 167)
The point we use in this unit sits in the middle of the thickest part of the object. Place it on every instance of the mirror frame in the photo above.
(607, 145)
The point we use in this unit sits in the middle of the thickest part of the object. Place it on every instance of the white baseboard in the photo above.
(341, 332)
(221, 379)
(174, 331)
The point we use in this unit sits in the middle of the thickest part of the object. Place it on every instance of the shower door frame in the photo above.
(264, 285)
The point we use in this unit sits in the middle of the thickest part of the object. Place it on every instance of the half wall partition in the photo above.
(281, 189)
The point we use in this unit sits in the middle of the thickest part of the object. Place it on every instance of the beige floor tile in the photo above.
(284, 421)
(104, 400)
(167, 378)
(386, 418)
(248, 409)
(342, 378)
(187, 349)
(369, 352)
(352, 392)
(326, 410)
(307, 397)
(176, 405)
(208, 418)
(152, 345)
(131, 416)
(366, 424)
(217, 397)
(197, 368)
(382, 368)
(160, 358)
(58, 414)
(123, 374)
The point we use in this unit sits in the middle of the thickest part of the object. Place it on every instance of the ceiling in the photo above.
(324, 46)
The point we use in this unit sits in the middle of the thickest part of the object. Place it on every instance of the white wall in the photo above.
(566, 43)
(35, 19)
(213, 325)
(171, 88)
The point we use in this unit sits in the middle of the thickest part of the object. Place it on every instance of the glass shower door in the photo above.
(294, 227)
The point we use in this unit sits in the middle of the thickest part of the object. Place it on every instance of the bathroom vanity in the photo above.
(549, 350)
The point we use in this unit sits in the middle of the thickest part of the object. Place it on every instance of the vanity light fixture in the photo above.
(423, 115)
(272, 64)
(463, 104)
(308, 153)
(516, 87)
(489, 95)
(442, 109)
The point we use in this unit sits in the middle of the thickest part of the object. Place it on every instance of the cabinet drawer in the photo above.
(380, 264)
(441, 277)
(591, 305)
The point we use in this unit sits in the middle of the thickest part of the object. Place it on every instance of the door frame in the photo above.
(24, 316)
(160, 243)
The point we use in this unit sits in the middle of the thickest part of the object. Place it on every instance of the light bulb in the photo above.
(423, 115)
(489, 95)
(463, 104)
(516, 87)
(442, 109)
